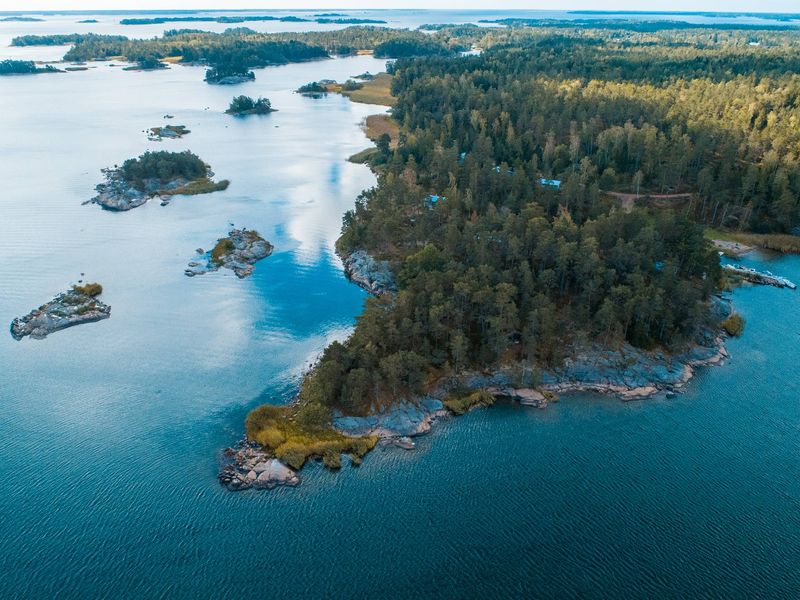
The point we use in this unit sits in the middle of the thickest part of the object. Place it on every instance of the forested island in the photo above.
(152, 174)
(24, 67)
(513, 216)
(244, 105)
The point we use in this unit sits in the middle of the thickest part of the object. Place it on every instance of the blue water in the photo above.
(111, 432)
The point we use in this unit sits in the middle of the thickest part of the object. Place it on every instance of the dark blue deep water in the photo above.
(110, 433)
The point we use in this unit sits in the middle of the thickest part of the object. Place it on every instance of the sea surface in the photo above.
(111, 432)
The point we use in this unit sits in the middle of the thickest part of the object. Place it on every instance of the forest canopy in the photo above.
(526, 253)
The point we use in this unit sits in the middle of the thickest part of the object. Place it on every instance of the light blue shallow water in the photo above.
(110, 432)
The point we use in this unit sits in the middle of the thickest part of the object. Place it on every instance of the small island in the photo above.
(314, 89)
(229, 74)
(244, 105)
(155, 174)
(156, 134)
(20, 19)
(73, 307)
(239, 251)
(24, 67)
(146, 63)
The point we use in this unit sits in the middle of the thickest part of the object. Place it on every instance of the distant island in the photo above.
(21, 19)
(152, 174)
(238, 251)
(24, 67)
(78, 305)
(88, 21)
(244, 105)
(323, 19)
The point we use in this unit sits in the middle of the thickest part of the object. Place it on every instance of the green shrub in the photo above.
(461, 403)
(734, 325)
(332, 460)
(88, 289)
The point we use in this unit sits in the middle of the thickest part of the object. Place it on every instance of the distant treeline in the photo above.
(243, 19)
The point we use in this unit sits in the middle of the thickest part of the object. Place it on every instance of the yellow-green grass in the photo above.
(779, 242)
(734, 324)
(460, 403)
(375, 91)
(279, 431)
(198, 186)
(88, 289)
(376, 125)
(364, 156)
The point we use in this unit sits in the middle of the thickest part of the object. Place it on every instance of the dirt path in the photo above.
(627, 200)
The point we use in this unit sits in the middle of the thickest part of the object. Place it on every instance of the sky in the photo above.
(792, 6)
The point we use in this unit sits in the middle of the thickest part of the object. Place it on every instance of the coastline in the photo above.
(623, 372)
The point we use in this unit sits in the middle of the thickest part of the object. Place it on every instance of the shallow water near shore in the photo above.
(111, 431)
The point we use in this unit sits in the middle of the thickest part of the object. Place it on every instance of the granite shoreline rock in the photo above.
(119, 195)
(238, 251)
(374, 276)
(248, 466)
(67, 309)
(625, 372)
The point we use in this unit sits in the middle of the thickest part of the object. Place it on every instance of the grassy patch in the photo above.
(293, 439)
(222, 248)
(375, 91)
(198, 186)
(460, 403)
(779, 242)
(734, 324)
(376, 125)
(364, 156)
(88, 289)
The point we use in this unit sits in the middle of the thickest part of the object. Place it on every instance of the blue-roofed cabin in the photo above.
(552, 183)
(432, 200)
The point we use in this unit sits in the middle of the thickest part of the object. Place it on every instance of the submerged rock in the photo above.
(76, 306)
(374, 276)
(239, 251)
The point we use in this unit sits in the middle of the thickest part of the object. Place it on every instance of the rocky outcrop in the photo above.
(626, 372)
(374, 276)
(70, 308)
(232, 79)
(118, 194)
(239, 251)
(526, 396)
(405, 420)
(250, 467)
(156, 134)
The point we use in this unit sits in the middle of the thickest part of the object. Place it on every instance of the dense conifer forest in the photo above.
(509, 265)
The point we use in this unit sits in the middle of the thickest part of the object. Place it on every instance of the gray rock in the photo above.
(276, 473)
(406, 419)
(374, 276)
(246, 248)
(65, 310)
